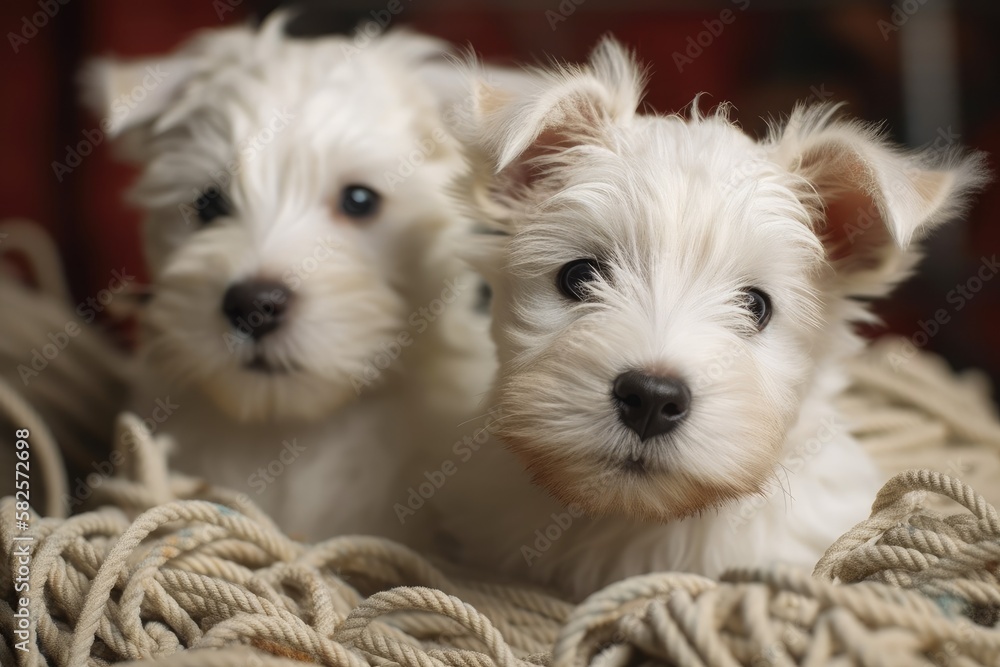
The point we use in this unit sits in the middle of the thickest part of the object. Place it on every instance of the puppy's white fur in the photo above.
(683, 214)
(281, 126)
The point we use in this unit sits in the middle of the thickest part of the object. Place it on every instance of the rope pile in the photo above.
(171, 571)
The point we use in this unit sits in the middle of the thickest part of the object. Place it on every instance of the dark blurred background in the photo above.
(929, 68)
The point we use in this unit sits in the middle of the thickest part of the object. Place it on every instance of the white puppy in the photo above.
(673, 304)
(296, 233)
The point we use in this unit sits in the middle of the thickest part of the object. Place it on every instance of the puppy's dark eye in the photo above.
(758, 304)
(357, 201)
(574, 277)
(211, 205)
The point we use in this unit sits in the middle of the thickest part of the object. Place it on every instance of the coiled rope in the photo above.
(176, 574)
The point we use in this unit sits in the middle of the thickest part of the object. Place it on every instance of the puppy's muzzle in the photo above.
(650, 405)
(256, 307)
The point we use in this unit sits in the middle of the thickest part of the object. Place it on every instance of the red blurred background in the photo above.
(929, 68)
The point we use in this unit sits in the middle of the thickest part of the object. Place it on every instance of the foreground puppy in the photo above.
(296, 221)
(673, 303)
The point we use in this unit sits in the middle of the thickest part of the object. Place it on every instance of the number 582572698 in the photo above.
(22, 481)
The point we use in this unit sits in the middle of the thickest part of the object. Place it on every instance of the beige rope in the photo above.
(44, 450)
(174, 574)
(914, 412)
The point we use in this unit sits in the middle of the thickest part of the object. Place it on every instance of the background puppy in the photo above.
(296, 234)
(673, 302)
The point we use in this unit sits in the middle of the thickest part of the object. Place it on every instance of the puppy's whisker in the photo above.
(786, 492)
(484, 416)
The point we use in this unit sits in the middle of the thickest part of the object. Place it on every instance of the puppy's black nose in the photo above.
(650, 405)
(255, 308)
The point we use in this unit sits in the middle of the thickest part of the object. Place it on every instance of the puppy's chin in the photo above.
(634, 489)
(250, 394)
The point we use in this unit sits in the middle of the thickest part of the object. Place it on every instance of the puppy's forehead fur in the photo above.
(267, 52)
(251, 70)
(694, 202)
(351, 111)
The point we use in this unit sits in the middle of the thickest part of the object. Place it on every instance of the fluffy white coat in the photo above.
(315, 421)
(682, 215)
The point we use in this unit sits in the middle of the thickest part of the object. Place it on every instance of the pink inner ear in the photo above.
(855, 236)
(522, 174)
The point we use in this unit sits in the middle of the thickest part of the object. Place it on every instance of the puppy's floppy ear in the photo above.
(522, 125)
(129, 95)
(870, 200)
